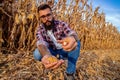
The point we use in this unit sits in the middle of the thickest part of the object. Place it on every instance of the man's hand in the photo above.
(68, 43)
(51, 62)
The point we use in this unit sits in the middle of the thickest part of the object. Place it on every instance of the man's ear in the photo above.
(39, 20)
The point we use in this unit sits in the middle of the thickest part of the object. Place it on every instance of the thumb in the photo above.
(61, 60)
(60, 41)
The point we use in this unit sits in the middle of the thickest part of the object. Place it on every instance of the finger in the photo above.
(58, 64)
(48, 66)
(45, 62)
(60, 41)
(71, 48)
(69, 45)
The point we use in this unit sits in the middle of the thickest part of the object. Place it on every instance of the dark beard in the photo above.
(49, 27)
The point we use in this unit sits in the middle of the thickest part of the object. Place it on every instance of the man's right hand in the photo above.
(51, 62)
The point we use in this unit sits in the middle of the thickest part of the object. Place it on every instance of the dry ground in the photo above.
(92, 65)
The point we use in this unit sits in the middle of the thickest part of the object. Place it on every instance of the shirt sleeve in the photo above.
(67, 30)
(39, 37)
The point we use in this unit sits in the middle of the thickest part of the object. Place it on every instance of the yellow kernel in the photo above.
(64, 43)
(52, 59)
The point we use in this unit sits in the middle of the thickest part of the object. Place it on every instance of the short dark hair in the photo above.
(44, 6)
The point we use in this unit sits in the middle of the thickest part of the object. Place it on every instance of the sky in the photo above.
(111, 8)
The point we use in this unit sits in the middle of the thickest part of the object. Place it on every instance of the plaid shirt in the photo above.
(60, 31)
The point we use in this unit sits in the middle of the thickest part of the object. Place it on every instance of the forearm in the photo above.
(75, 36)
(43, 50)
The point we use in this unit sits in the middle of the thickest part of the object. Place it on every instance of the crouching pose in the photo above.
(55, 37)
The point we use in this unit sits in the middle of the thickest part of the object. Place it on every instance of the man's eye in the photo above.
(42, 16)
(48, 15)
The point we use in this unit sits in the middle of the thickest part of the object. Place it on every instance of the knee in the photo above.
(36, 55)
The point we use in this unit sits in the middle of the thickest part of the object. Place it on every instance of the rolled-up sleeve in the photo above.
(39, 37)
(67, 30)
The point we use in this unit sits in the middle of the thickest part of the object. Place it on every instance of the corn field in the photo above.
(19, 20)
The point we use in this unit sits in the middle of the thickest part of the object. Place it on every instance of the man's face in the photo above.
(46, 17)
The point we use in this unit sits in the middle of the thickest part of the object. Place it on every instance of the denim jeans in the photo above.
(71, 56)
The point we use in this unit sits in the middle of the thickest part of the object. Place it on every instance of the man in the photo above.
(55, 37)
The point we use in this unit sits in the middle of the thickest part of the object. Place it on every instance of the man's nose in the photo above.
(46, 18)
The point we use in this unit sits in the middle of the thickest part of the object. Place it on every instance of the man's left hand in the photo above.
(68, 43)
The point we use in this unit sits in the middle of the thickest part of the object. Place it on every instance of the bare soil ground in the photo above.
(92, 65)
